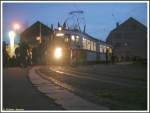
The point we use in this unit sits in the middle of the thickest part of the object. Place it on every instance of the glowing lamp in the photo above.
(16, 26)
(58, 53)
(11, 38)
(38, 38)
(59, 28)
(59, 34)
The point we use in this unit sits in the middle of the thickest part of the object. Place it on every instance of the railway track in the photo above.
(84, 85)
(97, 77)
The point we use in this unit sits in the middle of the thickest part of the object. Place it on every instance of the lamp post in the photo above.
(12, 34)
(12, 38)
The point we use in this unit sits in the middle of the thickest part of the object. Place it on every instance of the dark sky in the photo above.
(100, 18)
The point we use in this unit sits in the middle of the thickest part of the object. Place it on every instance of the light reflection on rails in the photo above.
(110, 80)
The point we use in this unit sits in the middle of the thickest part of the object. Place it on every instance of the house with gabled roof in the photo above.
(129, 40)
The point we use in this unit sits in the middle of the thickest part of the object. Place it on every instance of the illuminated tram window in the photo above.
(84, 43)
(73, 38)
(77, 39)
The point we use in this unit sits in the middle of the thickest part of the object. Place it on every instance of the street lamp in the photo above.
(16, 26)
(12, 38)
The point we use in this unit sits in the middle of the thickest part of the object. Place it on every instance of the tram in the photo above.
(73, 46)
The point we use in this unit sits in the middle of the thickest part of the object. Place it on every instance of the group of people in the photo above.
(24, 55)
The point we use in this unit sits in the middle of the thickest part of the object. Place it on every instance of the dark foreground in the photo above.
(18, 92)
(119, 86)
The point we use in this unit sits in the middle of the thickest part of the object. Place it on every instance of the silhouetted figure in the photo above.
(29, 56)
(34, 55)
(112, 58)
(43, 52)
(18, 56)
(13, 61)
(23, 54)
(107, 56)
(5, 55)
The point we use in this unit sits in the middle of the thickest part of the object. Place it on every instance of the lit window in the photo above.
(88, 44)
(59, 28)
(66, 39)
(59, 34)
(38, 38)
(84, 43)
(101, 48)
(94, 46)
(110, 50)
(104, 48)
(77, 39)
(73, 38)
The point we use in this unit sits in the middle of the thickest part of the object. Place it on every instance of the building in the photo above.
(37, 40)
(129, 40)
(36, 33)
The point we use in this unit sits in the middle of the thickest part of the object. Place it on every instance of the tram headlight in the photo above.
(58, 53)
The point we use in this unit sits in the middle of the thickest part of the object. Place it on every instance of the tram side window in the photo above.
(104, 48)
(73, 38)
(94, 46)
(77, 39)
(88, 44)
(84, 43)
(101, 48)
(110, 50)
(66, 39)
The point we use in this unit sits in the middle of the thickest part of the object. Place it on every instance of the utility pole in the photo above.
(40, 30)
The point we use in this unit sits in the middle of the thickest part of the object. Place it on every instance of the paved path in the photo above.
(60, 95)
(19, 93)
